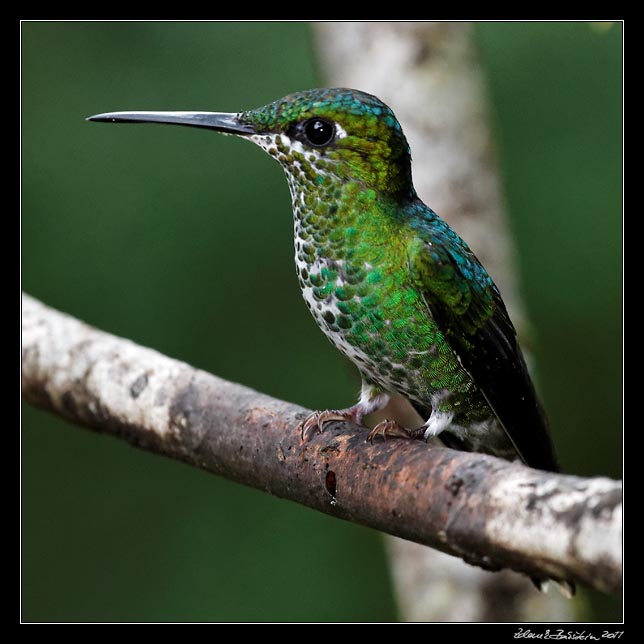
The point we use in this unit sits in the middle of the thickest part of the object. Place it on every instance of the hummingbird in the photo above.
(390, 284)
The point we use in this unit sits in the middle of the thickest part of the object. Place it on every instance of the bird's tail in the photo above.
(565, 587)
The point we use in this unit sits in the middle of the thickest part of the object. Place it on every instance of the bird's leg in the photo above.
(372, 398)
(436, 423)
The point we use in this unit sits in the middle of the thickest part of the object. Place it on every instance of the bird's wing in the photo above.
(467, 306)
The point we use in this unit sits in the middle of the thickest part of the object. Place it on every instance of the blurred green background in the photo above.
(181, 240)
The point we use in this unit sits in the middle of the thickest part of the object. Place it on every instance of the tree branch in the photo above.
(487, 511)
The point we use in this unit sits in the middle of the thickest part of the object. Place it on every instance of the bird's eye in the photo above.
(319, 132)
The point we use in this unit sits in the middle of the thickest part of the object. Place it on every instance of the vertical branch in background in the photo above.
(429, 73)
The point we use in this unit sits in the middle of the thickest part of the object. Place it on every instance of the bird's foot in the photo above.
(318, 419)
(390, 428)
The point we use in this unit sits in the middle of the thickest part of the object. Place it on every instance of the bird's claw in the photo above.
(318, 419)
(388, 428)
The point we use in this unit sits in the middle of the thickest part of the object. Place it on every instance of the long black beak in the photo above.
(228, 123)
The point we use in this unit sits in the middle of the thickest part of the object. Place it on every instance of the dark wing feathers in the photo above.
(469, 310)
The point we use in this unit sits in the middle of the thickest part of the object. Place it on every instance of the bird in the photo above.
(388, 281)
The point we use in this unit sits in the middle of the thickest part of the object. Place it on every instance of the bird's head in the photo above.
(344, 133)
(318, 136)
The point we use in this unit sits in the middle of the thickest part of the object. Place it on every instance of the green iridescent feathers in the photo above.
(374, 150)
(467, 307)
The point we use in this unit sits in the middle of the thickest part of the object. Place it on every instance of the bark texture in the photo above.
(489, 512)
